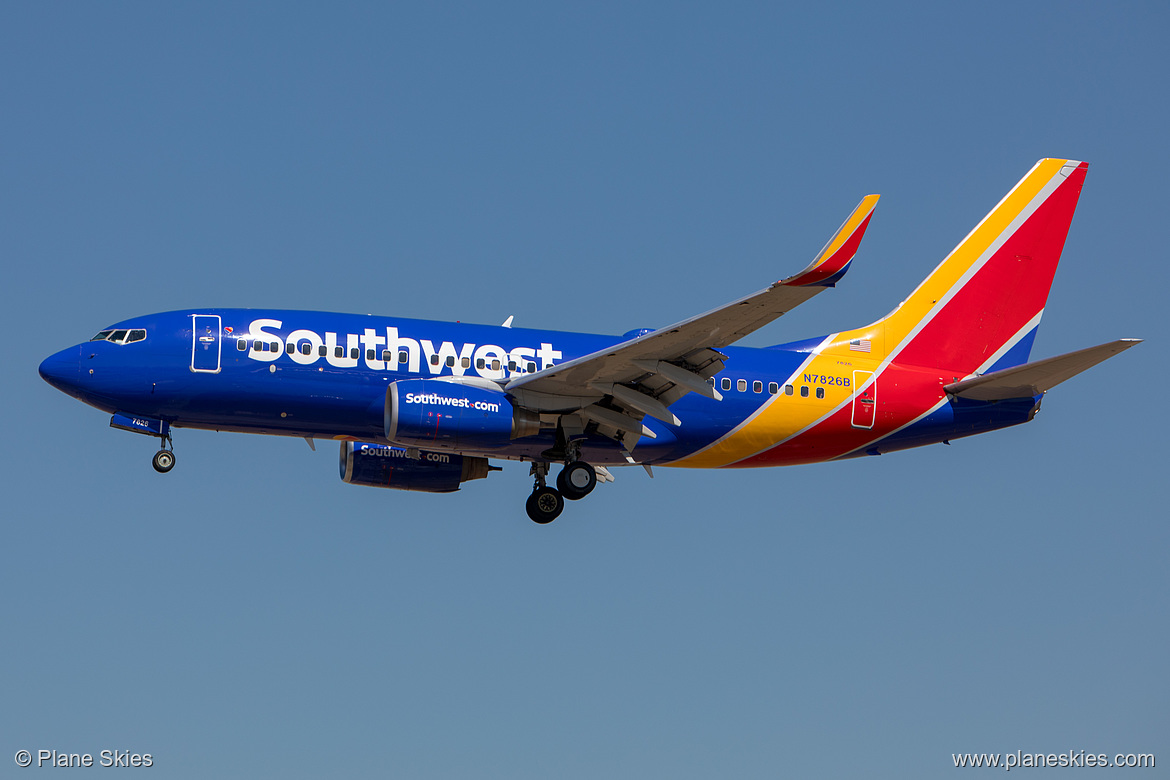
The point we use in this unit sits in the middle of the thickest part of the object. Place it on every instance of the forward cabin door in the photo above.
(205, 346)
(864, 402)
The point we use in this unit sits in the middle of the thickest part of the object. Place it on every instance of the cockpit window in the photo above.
(120, 336)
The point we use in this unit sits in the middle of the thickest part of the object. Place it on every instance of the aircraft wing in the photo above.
(1038, 377)
(646, 374)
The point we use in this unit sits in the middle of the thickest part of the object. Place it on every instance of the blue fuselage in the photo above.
(325, 375)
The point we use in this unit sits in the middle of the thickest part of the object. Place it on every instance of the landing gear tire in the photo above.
(164, 461)
(577, 480)
(544, 505)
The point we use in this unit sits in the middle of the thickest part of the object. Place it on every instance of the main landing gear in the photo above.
(164, 459)
(545, 504)
(575, 481)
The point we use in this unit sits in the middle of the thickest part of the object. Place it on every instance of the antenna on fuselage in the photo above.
(508, 322)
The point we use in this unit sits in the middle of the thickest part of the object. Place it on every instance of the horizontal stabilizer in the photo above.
(1032, 379)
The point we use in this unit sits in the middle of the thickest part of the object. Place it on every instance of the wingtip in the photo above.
(834, 259)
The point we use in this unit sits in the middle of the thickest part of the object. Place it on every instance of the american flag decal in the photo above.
(859, 345)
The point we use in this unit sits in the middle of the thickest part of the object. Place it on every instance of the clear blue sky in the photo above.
(596, 167)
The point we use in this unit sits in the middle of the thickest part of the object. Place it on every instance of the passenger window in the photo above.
(386, 355)
(511, 365)
(820, 392)
(804, 391)
(434, 360)
(741, 385)
(370, 354)
(495, 365)
(135, 335)
(322, 351)
(274, 346)
(757, 386)
(306, 348)
(465, 362)
(242, 345)
(773, 388)
(259, 346)
(480, 363)
(339, 352)
(787, 389)
(450, 361)
(355, 353)
(290, 347)
(403, 356)
(531, 367)
(102, 336)
(726, 383)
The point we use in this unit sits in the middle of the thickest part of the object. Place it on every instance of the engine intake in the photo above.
(448, 415)
(379, 465)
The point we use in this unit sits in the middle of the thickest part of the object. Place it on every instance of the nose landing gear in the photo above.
(164, 459)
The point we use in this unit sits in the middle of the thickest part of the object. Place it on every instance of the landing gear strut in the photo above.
(164, 459)
(545, 504)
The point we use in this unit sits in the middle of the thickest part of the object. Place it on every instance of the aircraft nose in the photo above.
(62, 369)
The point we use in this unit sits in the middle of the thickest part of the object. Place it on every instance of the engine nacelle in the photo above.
(449, 415)
(378, 465)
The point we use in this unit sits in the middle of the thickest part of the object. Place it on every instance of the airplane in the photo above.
(423, 405)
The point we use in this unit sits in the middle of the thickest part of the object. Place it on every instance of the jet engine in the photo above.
(378, 465)
(449, 415)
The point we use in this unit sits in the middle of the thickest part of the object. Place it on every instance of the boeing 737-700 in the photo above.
(422, 405)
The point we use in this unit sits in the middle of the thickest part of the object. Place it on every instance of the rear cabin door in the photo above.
(865, 401)
(205, 347)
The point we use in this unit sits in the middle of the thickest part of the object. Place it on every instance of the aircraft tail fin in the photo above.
(979, 309)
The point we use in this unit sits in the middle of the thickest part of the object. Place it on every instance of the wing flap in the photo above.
(1038, 377)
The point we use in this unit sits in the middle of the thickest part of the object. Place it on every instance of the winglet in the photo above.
(833, 261)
